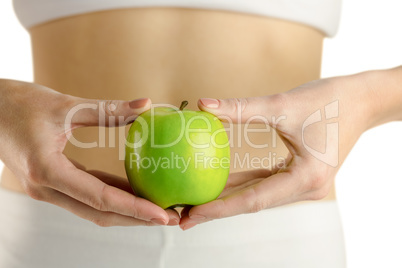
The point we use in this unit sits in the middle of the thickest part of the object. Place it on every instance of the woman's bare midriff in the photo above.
(170, 55)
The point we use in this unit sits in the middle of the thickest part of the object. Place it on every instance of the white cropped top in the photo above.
(321, 14)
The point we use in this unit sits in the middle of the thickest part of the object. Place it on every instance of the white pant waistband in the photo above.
(38, 234)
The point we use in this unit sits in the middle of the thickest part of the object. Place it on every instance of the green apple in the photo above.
(177, 157)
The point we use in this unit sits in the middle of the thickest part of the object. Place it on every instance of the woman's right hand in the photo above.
(34, 132)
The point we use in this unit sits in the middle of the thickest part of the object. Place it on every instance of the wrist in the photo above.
(383, 89)
(356, 105)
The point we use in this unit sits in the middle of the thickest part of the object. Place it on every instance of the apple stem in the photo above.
(183, 104)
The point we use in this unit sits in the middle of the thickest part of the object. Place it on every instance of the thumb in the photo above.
(243, 110)
(90, 112)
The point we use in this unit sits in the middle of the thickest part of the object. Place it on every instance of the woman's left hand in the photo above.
(319, 122)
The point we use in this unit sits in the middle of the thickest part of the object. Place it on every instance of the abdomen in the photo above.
(170, 55)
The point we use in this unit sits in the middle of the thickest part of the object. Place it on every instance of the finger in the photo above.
(237, 188)
(261, 110)
(279, 189)
(93, 192)
(236, 182)
(270, 110)
(185, 210)
(112, 180)
(101, 218)
(123, 184)
(185, 221)
(240, 178)
(76, 164)
(89, 112)
(174, 217)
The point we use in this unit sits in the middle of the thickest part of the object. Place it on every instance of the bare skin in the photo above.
(167, 55)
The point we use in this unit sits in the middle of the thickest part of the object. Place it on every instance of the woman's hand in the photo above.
(34, 132)
(319, 122)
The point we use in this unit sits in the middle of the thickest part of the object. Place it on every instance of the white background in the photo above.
(370, 181)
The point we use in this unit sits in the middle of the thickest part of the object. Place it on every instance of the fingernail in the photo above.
(158, 221)
(197, 217)
(189, 225)
(138, 103)
(210, 103)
